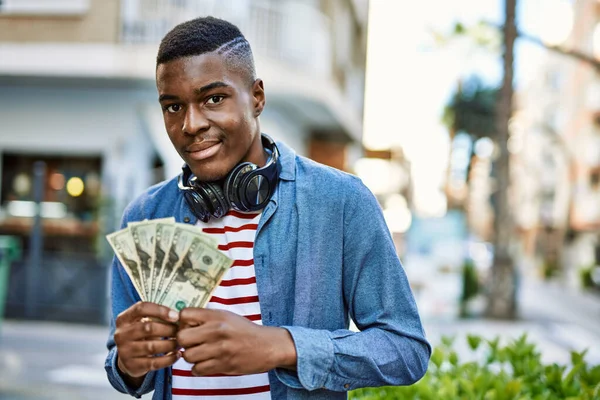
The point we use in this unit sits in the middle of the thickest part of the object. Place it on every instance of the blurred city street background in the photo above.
(487, 170)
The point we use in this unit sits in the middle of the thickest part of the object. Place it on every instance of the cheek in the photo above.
(235, 122)
(237, 117)
(228, 120)
(171, 126)
(240, 123)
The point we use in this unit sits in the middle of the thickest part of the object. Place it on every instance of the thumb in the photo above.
(192, 316)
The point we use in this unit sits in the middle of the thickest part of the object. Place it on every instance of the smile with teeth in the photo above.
(203, 150)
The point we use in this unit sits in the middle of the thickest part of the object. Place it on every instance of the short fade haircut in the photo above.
(206, 35)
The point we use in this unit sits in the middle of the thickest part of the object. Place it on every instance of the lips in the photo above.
(203, 150)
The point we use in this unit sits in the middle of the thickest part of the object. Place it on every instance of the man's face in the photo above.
(210, 113)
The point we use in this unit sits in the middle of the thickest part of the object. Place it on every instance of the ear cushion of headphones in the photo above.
(234, 188)
(197, 204)
(257, 190)
(213, 196)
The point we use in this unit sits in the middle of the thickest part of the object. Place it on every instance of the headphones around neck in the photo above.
(247, 187)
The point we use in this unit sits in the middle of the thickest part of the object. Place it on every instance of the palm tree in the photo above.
(472, 109)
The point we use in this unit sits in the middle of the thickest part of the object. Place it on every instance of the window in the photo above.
(72, 182)
(44, 7)
(71, 202)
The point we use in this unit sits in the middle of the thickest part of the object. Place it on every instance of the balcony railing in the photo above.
(292, 32)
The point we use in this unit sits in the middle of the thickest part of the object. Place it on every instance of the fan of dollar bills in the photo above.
(169, 263)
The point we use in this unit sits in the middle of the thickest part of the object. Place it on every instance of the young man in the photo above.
(310, 245)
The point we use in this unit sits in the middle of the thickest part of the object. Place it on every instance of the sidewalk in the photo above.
(557, 319)
(48, 361)
(51, 361)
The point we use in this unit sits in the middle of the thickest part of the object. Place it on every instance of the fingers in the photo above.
(209, 367)
(152, 329)
(146, 309)
(147, 364)
(193, 316)
(151, 348)
(204, 352)
(137, 336)
(144, 330)
(195, 336)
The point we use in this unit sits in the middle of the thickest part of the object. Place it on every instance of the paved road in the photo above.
(49, 361)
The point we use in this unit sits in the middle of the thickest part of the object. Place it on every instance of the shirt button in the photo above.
(346, 386)
(186, 219)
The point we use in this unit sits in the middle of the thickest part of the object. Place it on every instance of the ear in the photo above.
(258, 97)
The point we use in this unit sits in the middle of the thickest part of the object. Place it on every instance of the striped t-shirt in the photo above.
(237, 293)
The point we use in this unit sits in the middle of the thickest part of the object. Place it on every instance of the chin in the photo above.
(213, 169)
(209, 175)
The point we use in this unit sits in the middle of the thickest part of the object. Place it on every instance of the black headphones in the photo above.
(246, 188)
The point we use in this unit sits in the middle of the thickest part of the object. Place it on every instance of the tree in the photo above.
(486, 34)
(502, 290)
(472, 109)
(482, 111)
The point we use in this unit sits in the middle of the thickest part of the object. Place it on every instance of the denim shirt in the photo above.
(323, 254)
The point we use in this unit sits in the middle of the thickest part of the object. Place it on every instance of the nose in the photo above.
(195, 121)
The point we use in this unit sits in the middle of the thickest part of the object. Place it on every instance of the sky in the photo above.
(410, 78)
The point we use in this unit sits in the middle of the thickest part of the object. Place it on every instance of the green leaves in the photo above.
(472, 109)
(437, 357)
(474, 341)
(482, 35)
(496, 371)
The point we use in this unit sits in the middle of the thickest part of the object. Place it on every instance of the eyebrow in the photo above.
(210, 86)
(198, 92)
(164, 97)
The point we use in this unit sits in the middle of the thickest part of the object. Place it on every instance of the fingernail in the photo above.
(173, 315)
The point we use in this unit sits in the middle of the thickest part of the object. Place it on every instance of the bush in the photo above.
(585, 274)
(514, 371)
(470, 286)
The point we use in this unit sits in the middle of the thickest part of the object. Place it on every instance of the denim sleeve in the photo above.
(390, 347)
(123, 296)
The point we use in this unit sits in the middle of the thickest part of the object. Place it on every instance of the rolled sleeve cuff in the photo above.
(314, 349)
(117, 381)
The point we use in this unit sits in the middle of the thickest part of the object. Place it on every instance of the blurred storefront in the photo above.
(77, 84)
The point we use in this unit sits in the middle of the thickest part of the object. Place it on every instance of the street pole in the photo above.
(502, 289)
(36, 243)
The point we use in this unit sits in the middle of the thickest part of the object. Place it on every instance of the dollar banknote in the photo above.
(195, 277)
(169, 263)
(144, 237)
(162, 245)
(183, 237)
(126, 251)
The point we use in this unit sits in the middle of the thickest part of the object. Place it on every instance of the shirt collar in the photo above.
(287, 158)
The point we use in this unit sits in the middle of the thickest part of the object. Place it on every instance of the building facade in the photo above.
(556, 147)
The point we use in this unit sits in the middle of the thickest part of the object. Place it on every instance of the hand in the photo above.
(221, 342)
(140, 337)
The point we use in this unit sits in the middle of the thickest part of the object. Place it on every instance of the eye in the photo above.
(215, 99)
(173, 108)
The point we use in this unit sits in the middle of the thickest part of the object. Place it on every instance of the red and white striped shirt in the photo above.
(237, 293)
